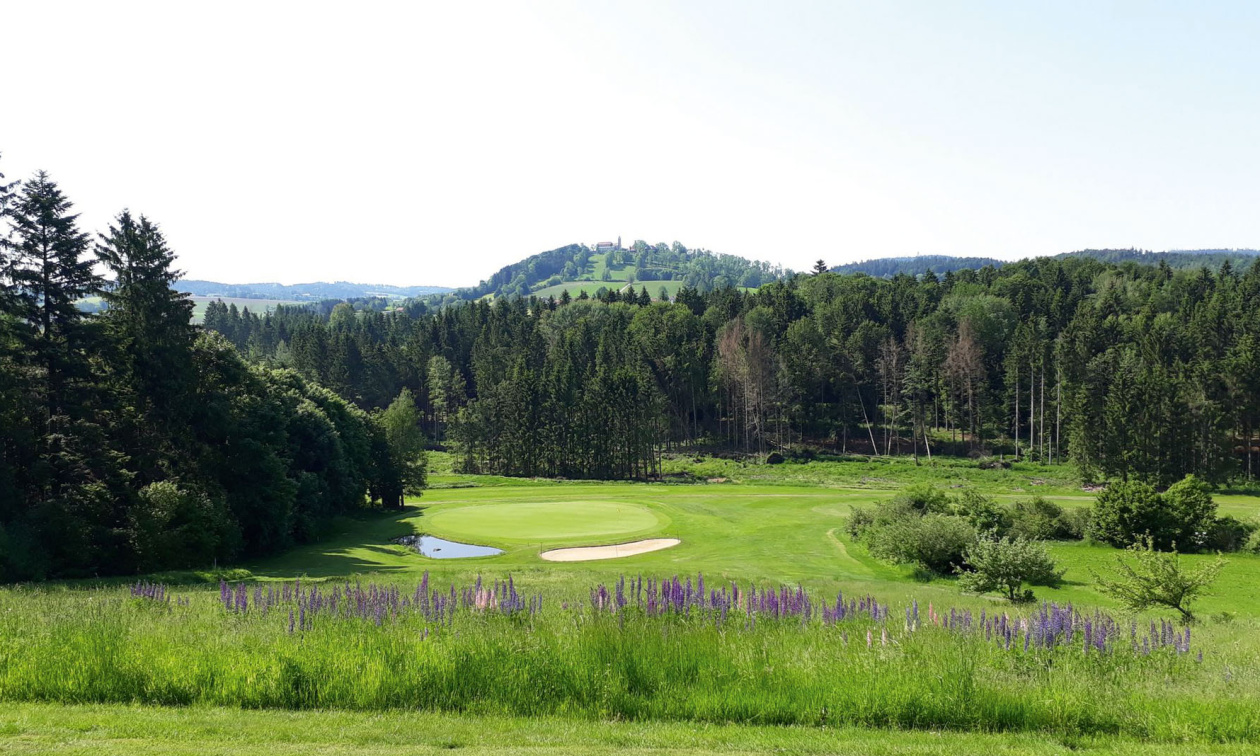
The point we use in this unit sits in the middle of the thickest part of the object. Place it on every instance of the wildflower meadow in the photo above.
(638, 648)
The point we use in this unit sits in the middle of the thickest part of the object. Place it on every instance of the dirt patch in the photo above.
(616, 551)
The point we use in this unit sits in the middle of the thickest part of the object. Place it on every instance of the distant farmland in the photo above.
(254, 305)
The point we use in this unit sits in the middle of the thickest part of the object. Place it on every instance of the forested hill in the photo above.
(887, 267)
(577, 267)
(307, 292)
(1176, 258)
(1130, 370)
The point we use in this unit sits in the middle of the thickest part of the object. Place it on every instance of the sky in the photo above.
(432, 143)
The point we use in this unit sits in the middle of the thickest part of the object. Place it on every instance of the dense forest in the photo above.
(132, 441)
(1129, 371)
(639, 262)
(887, 267)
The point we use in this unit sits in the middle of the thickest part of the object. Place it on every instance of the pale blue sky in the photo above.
(433, 143)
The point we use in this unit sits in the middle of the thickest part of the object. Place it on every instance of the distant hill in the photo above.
(655, 266)
(308, 292)
(887, 267)
(1176, 258)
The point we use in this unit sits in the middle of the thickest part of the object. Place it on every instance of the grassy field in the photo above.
(680, 683)
(256, 306)
(216, 731)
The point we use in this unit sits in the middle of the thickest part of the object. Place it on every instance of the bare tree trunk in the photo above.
(1058, 411)
(1017, 414)
(1043, 412)
(1032, 405)
(866, 419)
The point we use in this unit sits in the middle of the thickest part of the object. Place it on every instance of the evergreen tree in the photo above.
(150, 326)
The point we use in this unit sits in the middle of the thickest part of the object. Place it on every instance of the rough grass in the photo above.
(197, 731)
(104, 647)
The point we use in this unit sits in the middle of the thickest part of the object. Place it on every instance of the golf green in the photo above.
(594, 521)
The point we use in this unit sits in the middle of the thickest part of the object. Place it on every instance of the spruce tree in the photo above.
(75, 491)
(51, 273)
(150, 328)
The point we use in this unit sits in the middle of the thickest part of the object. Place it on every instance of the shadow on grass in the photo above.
(355, 544)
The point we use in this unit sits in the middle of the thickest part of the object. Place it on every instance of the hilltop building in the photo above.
(608, 246)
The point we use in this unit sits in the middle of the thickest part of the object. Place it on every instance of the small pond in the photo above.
(440, 548)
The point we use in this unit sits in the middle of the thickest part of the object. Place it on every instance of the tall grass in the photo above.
(108, 646)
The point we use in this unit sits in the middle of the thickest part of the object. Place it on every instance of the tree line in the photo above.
(1130, 371)
(130, 440)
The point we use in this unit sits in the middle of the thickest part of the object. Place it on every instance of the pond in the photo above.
(440, 548)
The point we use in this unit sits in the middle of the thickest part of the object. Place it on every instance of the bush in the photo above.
(984, 514)
(932, 541)
(1228, 534)
(859, 520)
(1253, 542)
(1003, 565)
(923, 497)
(1039, 519)
(1189, 514)
(1129, 511)
(1125, 512)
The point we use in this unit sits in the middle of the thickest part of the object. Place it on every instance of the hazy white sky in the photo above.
(432, 143)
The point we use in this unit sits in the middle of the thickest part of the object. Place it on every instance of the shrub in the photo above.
(1003, 565)
(1253, 542)
(983, 513)
(1183, 517)
(859, 520)
(932, 541)
(1039, 519)
(1228, 534)
(1189, 514)
(923, 497)
(1125, 512)
(1158, 579)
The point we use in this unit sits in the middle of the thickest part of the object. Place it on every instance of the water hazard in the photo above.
(440, 548)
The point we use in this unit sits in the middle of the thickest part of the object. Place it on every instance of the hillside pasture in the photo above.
(256, 306)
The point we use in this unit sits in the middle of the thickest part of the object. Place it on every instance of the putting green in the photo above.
(537, 522)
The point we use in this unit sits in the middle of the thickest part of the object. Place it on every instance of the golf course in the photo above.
(516, 648)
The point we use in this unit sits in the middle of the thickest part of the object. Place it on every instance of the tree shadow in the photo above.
(349, 547)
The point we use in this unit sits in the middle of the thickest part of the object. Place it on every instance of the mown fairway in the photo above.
(749, 532)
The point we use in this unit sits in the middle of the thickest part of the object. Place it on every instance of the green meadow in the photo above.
(87, 668)
(256, 306)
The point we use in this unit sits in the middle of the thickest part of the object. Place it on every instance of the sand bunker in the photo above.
(589, 553)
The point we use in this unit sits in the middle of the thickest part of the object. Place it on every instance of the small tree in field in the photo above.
(1158, 579)
(1003, 565)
